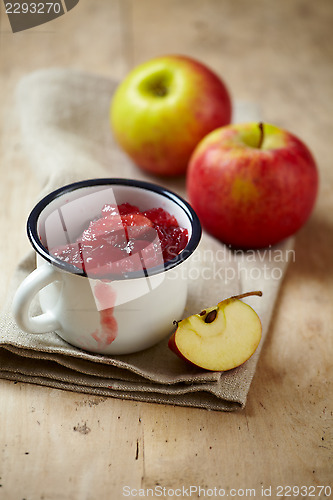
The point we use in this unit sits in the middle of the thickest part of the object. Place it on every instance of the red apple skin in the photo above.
(250, 197)
(173, 347)
(160, 132)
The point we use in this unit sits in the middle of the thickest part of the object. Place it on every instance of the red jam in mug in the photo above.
(123, 240)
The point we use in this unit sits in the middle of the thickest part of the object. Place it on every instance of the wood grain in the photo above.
(62, 445)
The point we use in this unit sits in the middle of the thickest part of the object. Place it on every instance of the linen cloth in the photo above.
(64, 118)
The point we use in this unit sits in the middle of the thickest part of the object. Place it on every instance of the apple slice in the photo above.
(219, 338)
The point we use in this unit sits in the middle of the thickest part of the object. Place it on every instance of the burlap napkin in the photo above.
(66, 133)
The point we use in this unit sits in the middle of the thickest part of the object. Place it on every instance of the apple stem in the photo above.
(261, 138)
(247, 294)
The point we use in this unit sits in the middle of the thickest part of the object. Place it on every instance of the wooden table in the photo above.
(62, 445)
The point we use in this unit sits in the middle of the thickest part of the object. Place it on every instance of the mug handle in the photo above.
(30, 286)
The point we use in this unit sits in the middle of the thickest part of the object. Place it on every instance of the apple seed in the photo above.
(211, 316)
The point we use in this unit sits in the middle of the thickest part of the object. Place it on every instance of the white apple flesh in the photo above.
(219, 338)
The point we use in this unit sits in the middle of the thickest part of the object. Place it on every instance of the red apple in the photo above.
(163, 108)
(252, 185)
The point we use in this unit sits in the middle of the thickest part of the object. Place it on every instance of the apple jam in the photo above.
(123, 240)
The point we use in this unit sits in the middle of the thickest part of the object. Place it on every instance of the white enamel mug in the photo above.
(103, 314)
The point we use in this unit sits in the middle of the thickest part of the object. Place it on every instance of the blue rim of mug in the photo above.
(38, 246)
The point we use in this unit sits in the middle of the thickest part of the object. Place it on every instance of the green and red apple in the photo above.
(163, 108)
(252, 185)
(219, 338)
